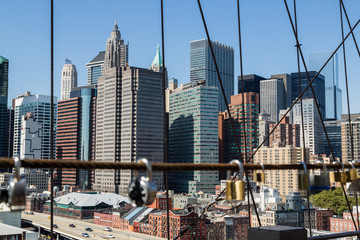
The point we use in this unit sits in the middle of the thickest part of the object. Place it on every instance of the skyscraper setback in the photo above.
(95, 68)
(68, 79)
(202, 67)
(129, 119)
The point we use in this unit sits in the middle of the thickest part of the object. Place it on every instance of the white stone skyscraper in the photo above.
(116, 52)
(68, 79)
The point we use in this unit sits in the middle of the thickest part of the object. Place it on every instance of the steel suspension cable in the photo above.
(349, 24)
(166, 127)
(302, 113)
(348, 102)
(227, 106)
(317, 106)
(52, 120)
(243, 105)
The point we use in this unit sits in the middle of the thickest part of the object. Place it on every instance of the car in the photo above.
(31, 213)
(107, 229)
(88, 229)
(26, 213)
(85, 235)
(55, 226)
(110, 236)
(71, 225)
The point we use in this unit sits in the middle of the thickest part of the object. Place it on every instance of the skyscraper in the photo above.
(129, 118)
(30, 143)
(229, 151)
(95, 68)
(345, 137)
(312, 125)
(333, 129)
(76, 135)
(193, 136)
(202, 67)
(286, 78)
(39, 105)
(272, 94)
(318, 86)
(68, 79)
(286, 134)
(251, 83)
(116, 53)
(4, 123)
(333, 93)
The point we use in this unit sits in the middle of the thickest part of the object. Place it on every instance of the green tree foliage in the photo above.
(333, 199)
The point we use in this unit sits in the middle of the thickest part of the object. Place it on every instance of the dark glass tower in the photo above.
(4, 80)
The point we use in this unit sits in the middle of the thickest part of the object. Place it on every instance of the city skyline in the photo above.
(280, 58)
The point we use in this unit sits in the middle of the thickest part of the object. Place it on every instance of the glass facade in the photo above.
(202, 67)
(318, 86)
(95, 68)
(87, 122)
(333, 93)
(4, 68)
(193, 137)
(333, 128)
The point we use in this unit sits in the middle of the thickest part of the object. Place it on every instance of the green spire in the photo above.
(2, 59)
(157, 60)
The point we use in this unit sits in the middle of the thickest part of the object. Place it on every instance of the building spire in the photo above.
(157, 62)
(115, 33)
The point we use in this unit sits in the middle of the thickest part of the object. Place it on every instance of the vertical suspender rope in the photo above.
(302, 114)
(52, 123)
(166, 150)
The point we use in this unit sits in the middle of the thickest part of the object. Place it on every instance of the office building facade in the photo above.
(347, 154)
(68, 79)
(286, 134)
(333, 129)
(39, 105)
(116, 52)
(4, 123)
(251, 83)
(272, 92)
(30, 143)
(318, 86)
(333, 93)
(312, 125)
(76, 136)
(202, 67)
(95, 68)
(193, 136)
(229, 150)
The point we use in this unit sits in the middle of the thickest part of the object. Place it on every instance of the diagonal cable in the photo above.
(348, 21)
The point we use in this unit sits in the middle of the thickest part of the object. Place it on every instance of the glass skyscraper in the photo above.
(95, 68)
(202, 67)
(193, 136)
(333, 94)
(4, 68)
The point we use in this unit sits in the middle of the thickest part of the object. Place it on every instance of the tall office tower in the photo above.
(229, 151)
(264, 122)
(312, 125)
(202, 67)
(286, 78)
(76, 135)
(95, 68)
(39, 105)
(318, 85)
(284, 181)
(272, 94)
(30, 143)
(333, 129)
(4, 80)
(345, 138)
(129, 124)
(116, 53)
(10, 132)
(193, 136)
(251, 83)
(285, 134)
(68, 79)
(333, 93)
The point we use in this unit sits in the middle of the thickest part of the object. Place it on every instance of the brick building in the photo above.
(178, 222)
(36, 201)
(285, 134)
(323, 219)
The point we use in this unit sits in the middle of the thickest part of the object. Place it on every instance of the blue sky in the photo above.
(83, 26)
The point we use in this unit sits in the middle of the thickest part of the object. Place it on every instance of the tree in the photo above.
(333, 199)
